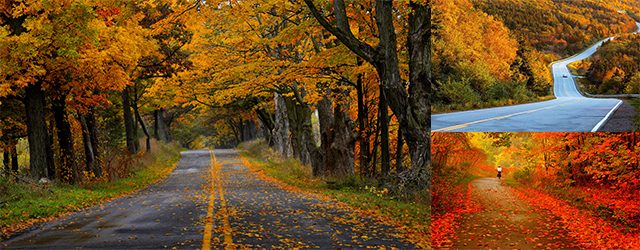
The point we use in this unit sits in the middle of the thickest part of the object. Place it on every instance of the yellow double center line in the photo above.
(502, 117)
(226, 227)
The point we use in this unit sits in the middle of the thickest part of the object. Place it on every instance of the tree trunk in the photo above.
(161, 127)
(302, 139)
(281, 140)
(14, 159)
(327, 136)
(413, 108)
(385, 155)
(144, 129)
(129, 124)
(6, 158)
(38, 135)
(90, 157)
(92, 128)
(134, 105)
(418, 136)
(363, 120)
(342, 147)
(296, 115)
(266, 127)
(68, 169)
(399, 153)
(156, 125)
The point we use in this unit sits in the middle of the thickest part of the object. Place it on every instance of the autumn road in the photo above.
(211, 200)
(508, 223)
(569, 112)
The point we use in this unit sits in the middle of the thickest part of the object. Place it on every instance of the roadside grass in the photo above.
(635, 102)
(512, 182)
(437, 108)
(466, 180)
(415, 216)
(24, 204)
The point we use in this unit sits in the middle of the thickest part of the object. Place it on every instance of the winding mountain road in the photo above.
(569, 112)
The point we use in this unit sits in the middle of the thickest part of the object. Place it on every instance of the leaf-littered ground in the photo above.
(506, 222)
(219, 204)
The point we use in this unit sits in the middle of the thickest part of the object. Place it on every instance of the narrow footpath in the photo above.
(507, 223)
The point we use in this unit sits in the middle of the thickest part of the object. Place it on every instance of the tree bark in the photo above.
(420, 90)
(38, 135)
(342, 149)
(302, 138)
(399, 152)
(68, 168)
(144, 129)
(327, 136)
(385, 155)
(161, 127)
(92, 128)
(14, 159)
(411, 108)
(129, 124)
(89, 156)
(363, 117)
(281, 139)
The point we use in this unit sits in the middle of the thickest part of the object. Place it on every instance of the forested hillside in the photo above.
(491, 53)
(615, 68)
(477, 59)
(557, 26)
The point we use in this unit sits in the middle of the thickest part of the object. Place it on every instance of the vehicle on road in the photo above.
(564, 76)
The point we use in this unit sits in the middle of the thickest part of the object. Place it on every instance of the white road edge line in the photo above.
(595, 129)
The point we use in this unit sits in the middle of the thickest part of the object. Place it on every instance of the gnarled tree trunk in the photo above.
(412, 108)
(281, 139)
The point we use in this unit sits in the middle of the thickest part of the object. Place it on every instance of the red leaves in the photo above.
(591, 232)
(443, 227)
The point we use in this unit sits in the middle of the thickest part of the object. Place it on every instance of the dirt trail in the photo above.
(508, 223)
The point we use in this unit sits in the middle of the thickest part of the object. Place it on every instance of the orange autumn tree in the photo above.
(610, 159)
(65, 55)
(255, 53)
(453, 157)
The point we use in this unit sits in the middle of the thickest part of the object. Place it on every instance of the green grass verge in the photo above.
(22, 202)
(512, 182)
(465, 180)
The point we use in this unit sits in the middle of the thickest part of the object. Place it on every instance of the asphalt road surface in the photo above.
(508, 223)
(569, 112)
(211, 201)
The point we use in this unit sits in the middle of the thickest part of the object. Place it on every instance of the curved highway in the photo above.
(569, 112)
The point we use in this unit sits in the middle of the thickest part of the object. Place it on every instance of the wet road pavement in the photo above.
(212, 201)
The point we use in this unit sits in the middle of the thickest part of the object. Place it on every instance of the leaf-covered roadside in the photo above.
(590, 230)
(25, 206)
(410, 219)
(443, 226)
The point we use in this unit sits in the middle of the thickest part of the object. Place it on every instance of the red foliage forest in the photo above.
(590, 180)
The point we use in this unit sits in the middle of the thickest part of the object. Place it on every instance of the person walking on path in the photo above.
(499, 172)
